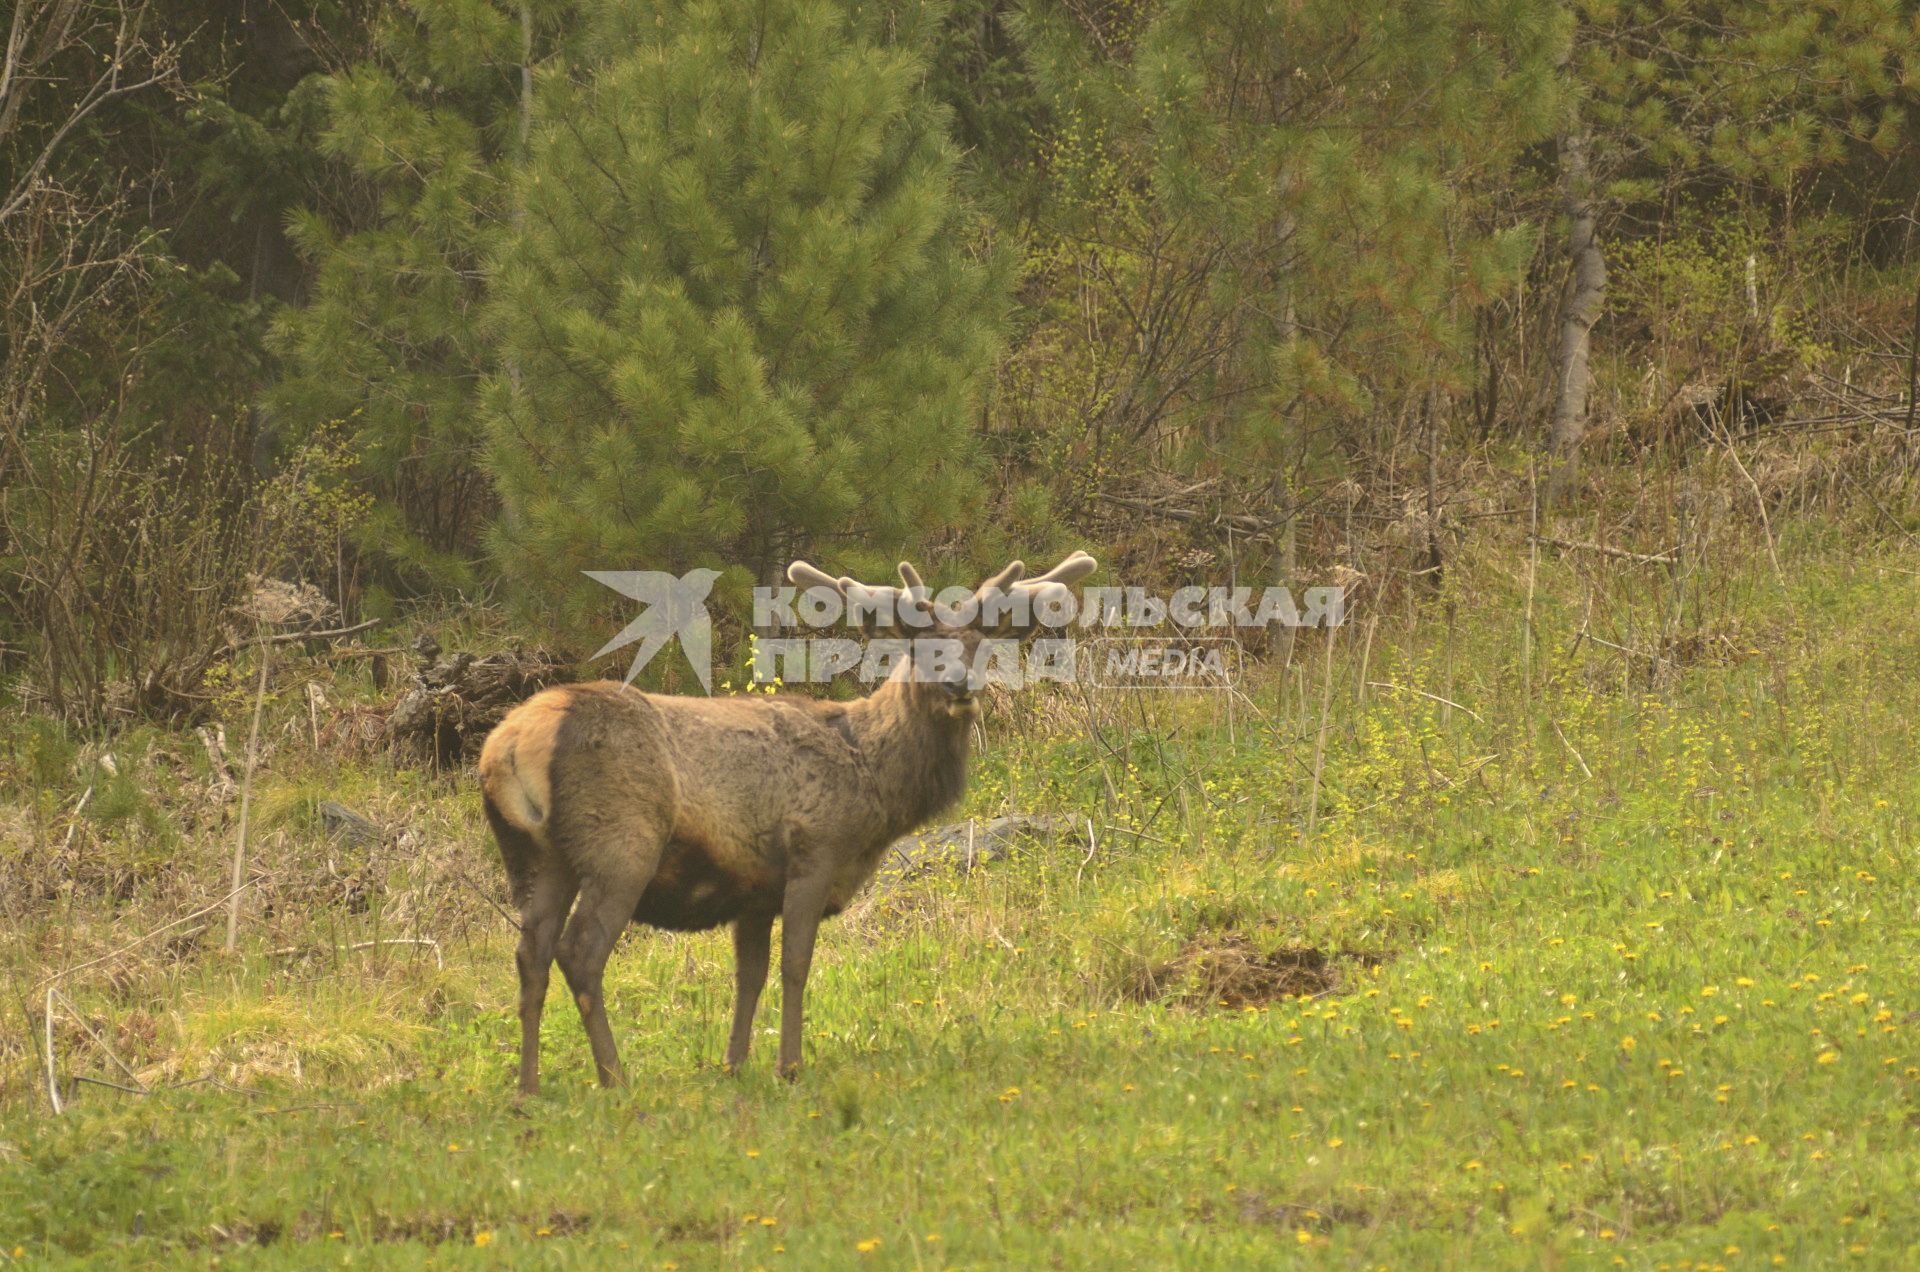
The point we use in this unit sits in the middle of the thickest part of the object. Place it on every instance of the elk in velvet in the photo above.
(687, 813)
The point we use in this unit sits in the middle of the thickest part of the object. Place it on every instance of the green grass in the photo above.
(1624, 974)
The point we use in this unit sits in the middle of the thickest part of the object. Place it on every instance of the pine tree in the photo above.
(743, 316)
(424, 135)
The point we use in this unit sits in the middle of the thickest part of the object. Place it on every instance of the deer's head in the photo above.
(947, 631)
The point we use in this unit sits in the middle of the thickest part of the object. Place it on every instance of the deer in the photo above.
(612, 806)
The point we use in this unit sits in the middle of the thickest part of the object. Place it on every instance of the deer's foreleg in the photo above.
(800, 911)
(752, 944)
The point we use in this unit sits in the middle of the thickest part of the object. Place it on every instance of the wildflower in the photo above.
(868, 1246)
(483, 1238)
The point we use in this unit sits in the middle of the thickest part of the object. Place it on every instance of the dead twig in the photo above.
(292, 950)
(288, 638)
(246, 802)
(1382, 684)
(1669, 557)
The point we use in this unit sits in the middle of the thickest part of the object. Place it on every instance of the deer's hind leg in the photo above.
(543, 913)
(605, 907)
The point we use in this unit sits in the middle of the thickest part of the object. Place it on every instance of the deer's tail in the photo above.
(515, 763)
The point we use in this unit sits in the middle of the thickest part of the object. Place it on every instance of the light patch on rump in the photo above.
(516, 760)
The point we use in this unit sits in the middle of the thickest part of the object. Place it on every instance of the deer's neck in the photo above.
(918, 757)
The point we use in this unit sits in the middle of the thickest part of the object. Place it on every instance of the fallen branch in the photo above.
(288, 638)
(438, 961)
(1240, 521)
(1671, 557)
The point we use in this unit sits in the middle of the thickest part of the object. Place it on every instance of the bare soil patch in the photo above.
(1231, 970)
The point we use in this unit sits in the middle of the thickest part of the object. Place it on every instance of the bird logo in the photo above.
(675, 606)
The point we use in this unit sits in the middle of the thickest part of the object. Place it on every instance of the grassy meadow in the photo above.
(1565, 918)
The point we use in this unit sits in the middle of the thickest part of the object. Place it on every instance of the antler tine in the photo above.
(911, 577)
(1076, 566)
(1015, 571)
(803, 575)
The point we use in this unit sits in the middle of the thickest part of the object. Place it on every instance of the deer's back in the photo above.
(715, 795)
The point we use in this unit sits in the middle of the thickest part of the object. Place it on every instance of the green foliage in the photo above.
(1745, 92)
(743, 312)
(426, 132)
(976, 67)
(1289, 210)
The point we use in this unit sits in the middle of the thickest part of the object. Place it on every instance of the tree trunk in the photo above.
(1586, 292)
